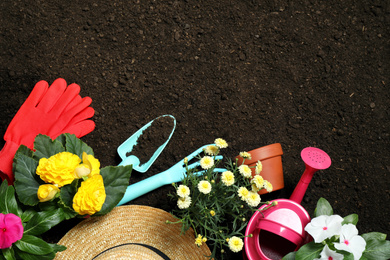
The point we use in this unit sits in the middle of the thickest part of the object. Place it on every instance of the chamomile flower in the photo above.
(204, 187)
(183, 191)
(211, 150)
(258, 181)
(227, 178)
(268, 186)
(221, 143)
(243, 193)
(184, 203)
(246, 155)
(207, 162)
(253, 199)
(235, 244)
(259, 167)
(245, 171)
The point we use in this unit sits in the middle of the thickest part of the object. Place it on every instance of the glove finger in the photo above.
(71, 92)
(80, 129)
(36, 94)
(83, 115)
(51, 97)
(64, 119)
(29, 105)
(77, 99)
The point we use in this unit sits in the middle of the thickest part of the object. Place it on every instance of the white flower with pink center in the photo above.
(350, 241)
(328, 254)
(323, 227)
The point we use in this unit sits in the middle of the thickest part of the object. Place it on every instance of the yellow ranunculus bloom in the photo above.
(90, 197)
(58, 169)
(47, 192)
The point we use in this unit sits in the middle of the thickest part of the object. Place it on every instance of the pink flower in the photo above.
(11, 230)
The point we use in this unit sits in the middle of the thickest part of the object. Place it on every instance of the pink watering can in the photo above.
(278, 230)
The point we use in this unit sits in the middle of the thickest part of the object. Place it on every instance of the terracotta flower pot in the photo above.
(271, 158)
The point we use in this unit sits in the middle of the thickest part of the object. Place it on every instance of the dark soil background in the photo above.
(301, 73)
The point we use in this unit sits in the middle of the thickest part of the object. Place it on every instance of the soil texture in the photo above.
(300, 73)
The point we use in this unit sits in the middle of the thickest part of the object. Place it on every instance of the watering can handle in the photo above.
(303, 183)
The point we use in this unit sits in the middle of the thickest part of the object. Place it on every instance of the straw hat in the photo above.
(131, 232)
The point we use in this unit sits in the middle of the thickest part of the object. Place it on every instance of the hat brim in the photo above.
(131, 225)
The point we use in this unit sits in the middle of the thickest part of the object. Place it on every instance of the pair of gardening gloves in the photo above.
(49, 111)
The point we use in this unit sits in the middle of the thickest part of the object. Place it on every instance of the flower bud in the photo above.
(82, 170)
(47, 192)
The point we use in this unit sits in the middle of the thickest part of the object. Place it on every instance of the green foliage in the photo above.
(116, 180)
(323, 208)
(220, 214)
(39, 217)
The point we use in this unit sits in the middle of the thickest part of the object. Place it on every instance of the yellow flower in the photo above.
(221, 143)
(245, 171)
(227, 178)
(254, 188)
(253, 199)
(268, 186)
(212, 213)
(204, 239)
(185, 160)
(89, 167)
(204, 187)
(243, 193)
(47, 192)
(58, 169)
(184, 203)
(90, 197)
(198, 240)
(259, 167)
(246, 155)
(235, 244)
(258, 181)
(211, 150)
(207, 162)
(183, 191)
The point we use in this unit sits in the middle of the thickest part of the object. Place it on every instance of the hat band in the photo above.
(157, 251)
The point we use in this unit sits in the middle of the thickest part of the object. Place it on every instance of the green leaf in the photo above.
(28, 214)
(25, 150)
(62, 139)
(8, 253)
(351, 219)
(309, 251)
(8, 202)
(57, 247)
(76, 146)
(116, 179)
(26, 181)
(323, 208)
(377, 249)
(374, 235)
(43, 221)
(28, 256)
(66, 199)
(290, 256)
(45, 147)
(33, 245)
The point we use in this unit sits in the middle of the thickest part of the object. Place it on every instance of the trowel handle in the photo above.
(303, 183)
(138, 189)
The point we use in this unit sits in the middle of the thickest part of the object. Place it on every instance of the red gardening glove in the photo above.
(50, 111)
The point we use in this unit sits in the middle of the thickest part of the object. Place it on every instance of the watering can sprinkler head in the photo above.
(315, 159)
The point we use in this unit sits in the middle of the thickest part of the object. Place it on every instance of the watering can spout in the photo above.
(315, 159)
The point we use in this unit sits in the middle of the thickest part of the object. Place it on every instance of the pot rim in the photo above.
(262, 153)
